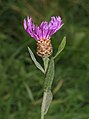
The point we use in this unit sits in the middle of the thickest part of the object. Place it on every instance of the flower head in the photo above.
(45, 30)
(43, 33)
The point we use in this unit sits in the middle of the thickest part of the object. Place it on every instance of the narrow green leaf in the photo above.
(46, 62)
(47, 99)
(61, 47)
(29, 92)
(49, 75)
(35, 61)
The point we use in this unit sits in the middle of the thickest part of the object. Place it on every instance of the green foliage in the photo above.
(17, 69)
(61, 47)
(47, 97)
(47, 100)
(35, 61)
(46, 62)
(49, 76)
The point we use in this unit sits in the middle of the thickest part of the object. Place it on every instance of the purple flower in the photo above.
(45, 30)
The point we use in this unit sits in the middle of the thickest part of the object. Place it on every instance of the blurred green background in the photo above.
(18, 73)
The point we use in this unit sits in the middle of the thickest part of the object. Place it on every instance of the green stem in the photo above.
(46, 62)
(47, 97)
(49, 76)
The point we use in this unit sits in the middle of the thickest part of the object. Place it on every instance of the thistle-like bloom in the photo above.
(43, 33)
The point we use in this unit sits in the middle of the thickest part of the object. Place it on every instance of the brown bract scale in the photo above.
(44, 48)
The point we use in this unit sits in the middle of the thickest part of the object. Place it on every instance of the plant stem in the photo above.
(47, 97)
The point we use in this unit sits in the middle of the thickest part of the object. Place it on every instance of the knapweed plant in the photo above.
(42, 34)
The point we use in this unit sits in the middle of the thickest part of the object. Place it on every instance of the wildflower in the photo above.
(43, 33)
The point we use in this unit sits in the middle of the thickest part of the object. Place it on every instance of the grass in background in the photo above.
(18, 73)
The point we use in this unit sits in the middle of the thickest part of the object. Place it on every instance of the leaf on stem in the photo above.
(61, 47)
(47, 99)
(35, 61)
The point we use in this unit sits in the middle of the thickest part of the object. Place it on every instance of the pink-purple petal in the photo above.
(55, 24)
(44, 28)
(25, 24)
